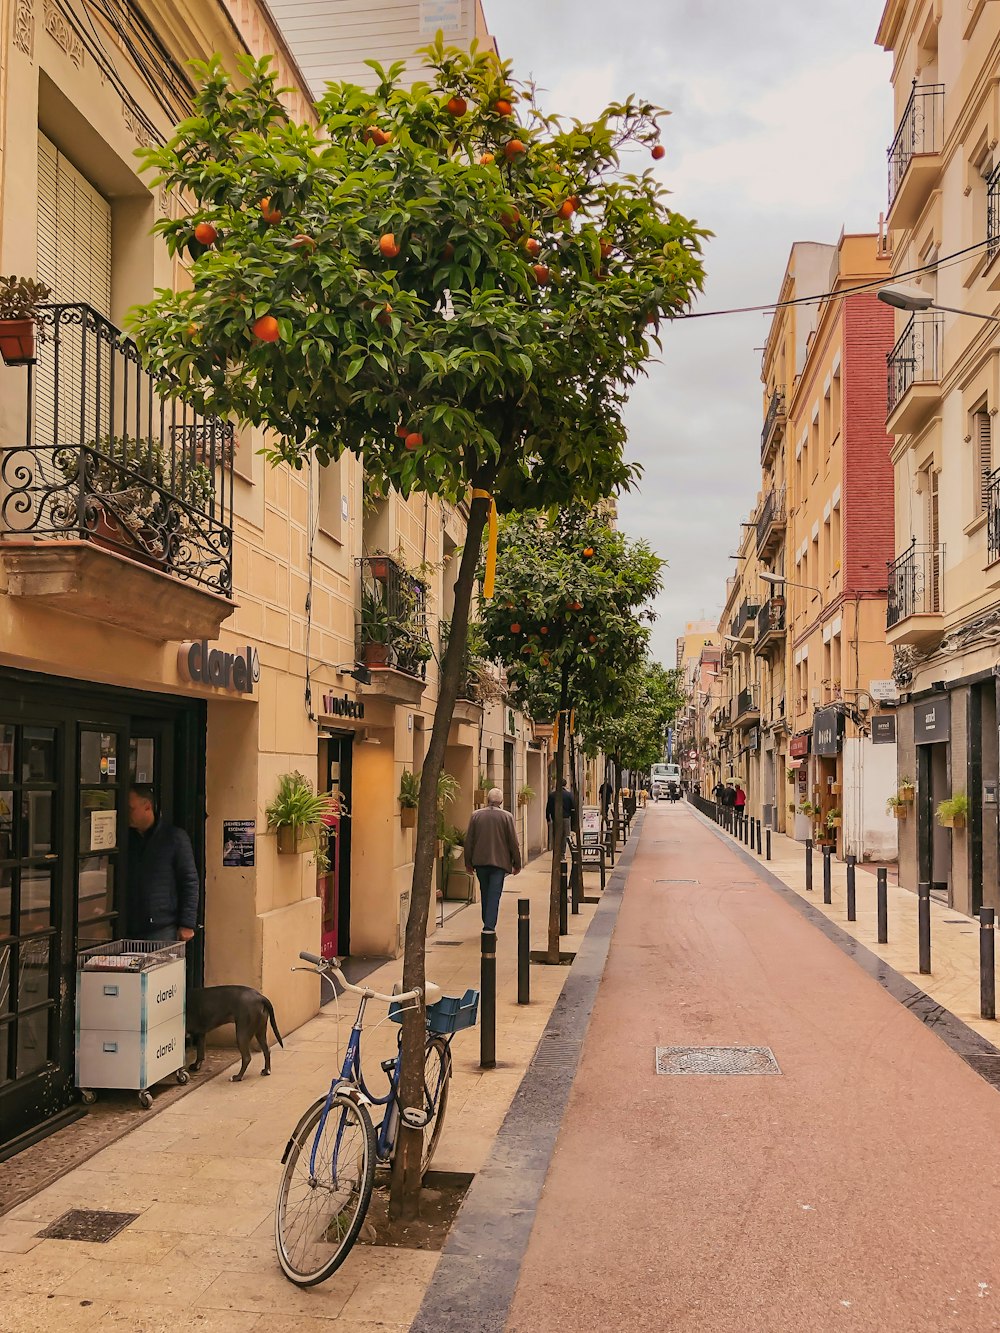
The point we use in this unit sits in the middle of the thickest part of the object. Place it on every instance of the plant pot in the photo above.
(17, 341)
(294, 839)
(906, 794)
(899, 811)
(380, 569)
(377, 654)
(836, 788)
(953, 821)
(834, 823)
(408, 816)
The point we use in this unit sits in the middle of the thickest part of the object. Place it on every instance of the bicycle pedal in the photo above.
(415, 1116)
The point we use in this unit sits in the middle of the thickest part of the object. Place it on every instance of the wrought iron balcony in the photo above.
(920, 135)
(774, 425)
(770, 625)
(745, 710)
(392, 621)
(110, 464)
(993, 517)
(744, 621)
(914, 591)
(771, 522)
(914, 364)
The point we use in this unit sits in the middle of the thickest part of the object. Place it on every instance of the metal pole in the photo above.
(759, 837)
(883, 905)
(987, 963)
(488, 1000)
(852, 906)
(563, 898)
(523, 950)
(767, 843)
(827, 876)
(576, 883)
(604, 869)
(809, 865)
(924, 925)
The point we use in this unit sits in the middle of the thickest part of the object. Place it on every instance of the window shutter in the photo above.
(982, 443)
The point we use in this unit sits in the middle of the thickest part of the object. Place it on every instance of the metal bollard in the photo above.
(883, 905)
(767, 844)
(852, 906)
(809, 865)
(488, 1000)
(576, 882)
(987, 963)
(827, 876)
(563, 898)
(759, 836)
(523, 951)
(604, 869)
(924, 926)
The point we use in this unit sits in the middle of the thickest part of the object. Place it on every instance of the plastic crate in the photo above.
(448, 1015)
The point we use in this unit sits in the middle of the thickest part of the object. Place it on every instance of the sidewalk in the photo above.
(953, 981)
(202, 1174)
(849, 1189)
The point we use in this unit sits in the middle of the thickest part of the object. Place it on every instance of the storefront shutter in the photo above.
(74, 260)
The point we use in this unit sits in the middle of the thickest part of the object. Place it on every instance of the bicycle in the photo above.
(330, 1159)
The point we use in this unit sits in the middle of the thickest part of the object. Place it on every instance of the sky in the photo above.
(778, 134)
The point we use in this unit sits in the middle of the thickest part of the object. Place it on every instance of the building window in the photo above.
(330, 511)
(982, 458)
(993, 213)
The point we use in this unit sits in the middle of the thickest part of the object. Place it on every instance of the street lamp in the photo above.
(912, 299)
(779, 581)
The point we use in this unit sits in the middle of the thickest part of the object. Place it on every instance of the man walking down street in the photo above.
(569, 806)
(492, 851)
(163, 888)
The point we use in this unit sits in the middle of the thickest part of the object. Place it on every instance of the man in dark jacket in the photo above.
(569, 806)
(163, 886)
(492, 851)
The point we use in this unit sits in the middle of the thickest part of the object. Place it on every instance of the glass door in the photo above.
(101, 831)
(333, 887)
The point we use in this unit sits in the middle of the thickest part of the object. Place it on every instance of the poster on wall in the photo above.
(103, 830)
(590, 831)
(239, 838)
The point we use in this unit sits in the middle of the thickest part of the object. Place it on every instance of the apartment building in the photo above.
(943, 392)
(173, 611)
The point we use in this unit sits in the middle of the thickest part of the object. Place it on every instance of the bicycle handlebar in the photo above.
(330, 967)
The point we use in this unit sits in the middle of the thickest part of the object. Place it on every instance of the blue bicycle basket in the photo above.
(448, 1015)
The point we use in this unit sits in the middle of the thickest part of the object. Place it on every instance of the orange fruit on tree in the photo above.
(606, 249)
(271, 215)
(515, 628)
(502, 107)
(588, 551)
(414, 440)
(456, 106)
(448, 253)
(192, 330)
(384, 316)
(266, 329)
(302, 242)
(659, 152)
(513, 148)
(542, 275)
(486, 159)
(205, 234)
(591, 638)
(545, 659)
(402, 431)
(567, 208)
(381, 137)
(532, 246)
(544, 629)
(388, 247)
(509, 218)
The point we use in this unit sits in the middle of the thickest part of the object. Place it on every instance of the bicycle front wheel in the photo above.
(437, 1081)
(325, 1189)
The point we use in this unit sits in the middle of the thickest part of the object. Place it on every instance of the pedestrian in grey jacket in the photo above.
(491, 849)
(163, 887)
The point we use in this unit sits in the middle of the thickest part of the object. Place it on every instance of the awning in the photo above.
(795, 763)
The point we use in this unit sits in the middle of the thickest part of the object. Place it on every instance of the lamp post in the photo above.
(914, 301)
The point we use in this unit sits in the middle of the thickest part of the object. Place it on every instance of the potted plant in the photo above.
(19, 302)
(409, 796)
(482, 787)
(808, 809)
(380, 567)
(895, 805)
(525, 794)
(953, 812)
(834, 818)
(376, 628)
(297, 814)
(790, 774)
(448, 789)
(836, 788)
(906, 790)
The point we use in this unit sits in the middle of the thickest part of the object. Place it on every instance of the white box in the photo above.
(113, 1058)
(130, 1001)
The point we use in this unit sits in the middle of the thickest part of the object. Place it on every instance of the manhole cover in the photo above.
(716, 1060)
(87, 1224)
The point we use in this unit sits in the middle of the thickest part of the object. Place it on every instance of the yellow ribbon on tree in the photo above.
(489, 577)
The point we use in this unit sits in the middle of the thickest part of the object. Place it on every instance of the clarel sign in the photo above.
(202, 664)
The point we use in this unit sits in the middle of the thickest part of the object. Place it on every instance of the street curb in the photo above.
(474, 1283)
(979, 1054)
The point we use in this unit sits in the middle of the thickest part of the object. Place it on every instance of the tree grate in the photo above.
(93, 1224)
(716, 1060)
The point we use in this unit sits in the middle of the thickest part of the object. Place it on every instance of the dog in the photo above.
(210, 1007)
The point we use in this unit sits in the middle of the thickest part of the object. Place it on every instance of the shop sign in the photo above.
(932, 721)
(202, 664)
(753, 739)
(343, 707)
(828, 725)
(238, 842)
(798, 746)
(883, 691)
(884, 729)
(590, 831)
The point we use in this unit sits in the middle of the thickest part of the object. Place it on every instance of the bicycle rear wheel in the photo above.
(325, 1189)
(437, 1081)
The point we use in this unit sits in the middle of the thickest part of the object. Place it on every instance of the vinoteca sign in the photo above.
(201, 664)
(344, 706)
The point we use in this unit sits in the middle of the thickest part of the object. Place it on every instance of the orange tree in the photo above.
(441, 279)
(568, 620)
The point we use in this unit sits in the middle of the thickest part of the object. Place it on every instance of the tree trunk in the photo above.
(558, 823)
(405, 1196)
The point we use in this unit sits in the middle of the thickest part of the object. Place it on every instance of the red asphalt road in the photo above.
(858, 1191)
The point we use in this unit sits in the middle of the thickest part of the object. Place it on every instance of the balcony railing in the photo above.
(744, 705)
(914, 583)
(771, 619)
(392, 623)
(774, 421)
(921, 130)
(771, 516)
(993, 516)
(916, 358)
(744, 616)
(107, 459)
